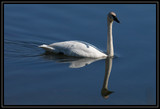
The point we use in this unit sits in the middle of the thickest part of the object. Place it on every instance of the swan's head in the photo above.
(112, 17)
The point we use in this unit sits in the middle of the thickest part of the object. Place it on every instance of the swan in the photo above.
(84, 49)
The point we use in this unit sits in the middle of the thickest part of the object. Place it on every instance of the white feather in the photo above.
(74, 48)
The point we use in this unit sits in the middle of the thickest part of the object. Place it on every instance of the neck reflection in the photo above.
(108, 66)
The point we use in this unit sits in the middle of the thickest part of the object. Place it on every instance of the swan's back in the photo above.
(75, 48)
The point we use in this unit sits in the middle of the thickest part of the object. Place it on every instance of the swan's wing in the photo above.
(90, 45)
(77, 48)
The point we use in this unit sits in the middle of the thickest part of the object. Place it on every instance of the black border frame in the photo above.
(79, 2)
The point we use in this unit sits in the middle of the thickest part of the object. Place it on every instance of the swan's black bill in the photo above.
(115, 19)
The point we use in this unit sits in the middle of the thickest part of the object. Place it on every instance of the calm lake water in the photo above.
(32, 77)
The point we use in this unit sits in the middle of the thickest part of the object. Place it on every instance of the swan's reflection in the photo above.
(105, 92)
(74, 61)
(81, 62)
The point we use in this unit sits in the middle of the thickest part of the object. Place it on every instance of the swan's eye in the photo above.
(113, 16)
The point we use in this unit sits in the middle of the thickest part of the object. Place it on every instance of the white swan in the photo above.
(83, 49)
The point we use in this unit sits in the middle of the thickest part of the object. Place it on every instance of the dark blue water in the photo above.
(34, 78)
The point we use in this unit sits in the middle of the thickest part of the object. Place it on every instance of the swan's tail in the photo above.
(46, 47)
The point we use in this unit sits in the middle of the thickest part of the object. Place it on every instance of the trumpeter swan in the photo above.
(83, 49)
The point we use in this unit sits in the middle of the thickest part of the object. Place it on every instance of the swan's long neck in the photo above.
(110, 50)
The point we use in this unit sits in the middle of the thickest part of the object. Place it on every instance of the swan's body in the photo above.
(75, 48)
(83, 49)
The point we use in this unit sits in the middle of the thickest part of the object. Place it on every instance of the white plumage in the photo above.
(75, 48)
(83, 49)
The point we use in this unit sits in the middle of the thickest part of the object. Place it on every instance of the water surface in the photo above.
(32, 77)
